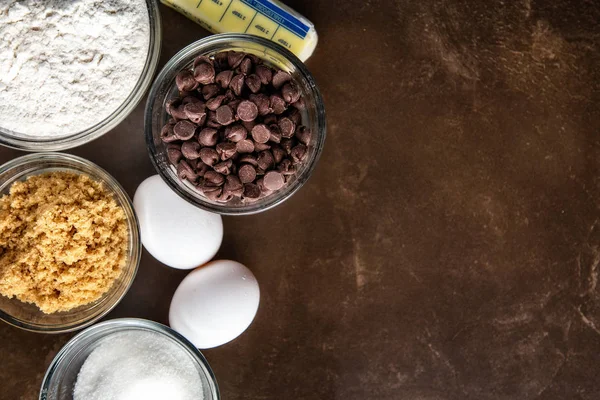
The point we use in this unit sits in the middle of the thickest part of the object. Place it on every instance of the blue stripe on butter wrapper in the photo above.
(280, 16)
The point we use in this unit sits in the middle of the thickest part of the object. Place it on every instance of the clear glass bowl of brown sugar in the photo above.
(28, 316)
(272, 55)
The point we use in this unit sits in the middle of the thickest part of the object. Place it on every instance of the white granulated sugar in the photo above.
(66, 65)
(138, 365)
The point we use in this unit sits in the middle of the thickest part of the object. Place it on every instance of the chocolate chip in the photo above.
(304, 135)
(230, 96)
(224, 167)
(185, 81)
(262, 103)
(280, 78)
(287, 127)
(234, 58)
(195, 112)
(215, 102)
(179, 112)
(246, 66)
(223, 78)
(264, 73)
(167, 135)
(261, 133)
(211, 120)
(174, 153)
(185, 171)
(209, 156)
(290, 92)
(232, 184)
(235, 133)
(261, 146)
(273, 180)
(277, 104)
(249, 125)
(171, 105)
(251, 191)
(265, 160)
(287, 144)
(209, 91)
(294, 115)
(238, 192)
(226, 150)
(237, 84)
(225, 197)
(286, 167)
(225, 115)
(220, 60)
(184, 130)
(253, 83)
(201, 168)
(248, 159)
(261, 184)
(200, 60)
(270, 119)
(247, 111)
(299, 153)
(191, 149)
(275, 133)
(190, 99)
(208, 137)
(213, 178)
(234, 104)
(300, 104)
(204, 73)
(254, 58)
(212, 192)
(278, 153)
(247, 173)
(244, 146)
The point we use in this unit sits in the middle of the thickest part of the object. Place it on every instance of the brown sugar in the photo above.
(63, 241)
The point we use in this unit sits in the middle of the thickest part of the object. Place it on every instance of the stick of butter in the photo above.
(266, 18)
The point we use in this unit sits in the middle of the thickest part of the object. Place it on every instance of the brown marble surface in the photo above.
(448, 244)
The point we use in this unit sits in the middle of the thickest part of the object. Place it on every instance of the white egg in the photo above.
(215, 303)
(175, 232)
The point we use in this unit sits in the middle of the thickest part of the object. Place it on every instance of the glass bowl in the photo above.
(14, 140)
(28, 316)
(60, 378)
(164, 89)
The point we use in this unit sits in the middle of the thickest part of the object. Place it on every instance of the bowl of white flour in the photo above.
(71, 70)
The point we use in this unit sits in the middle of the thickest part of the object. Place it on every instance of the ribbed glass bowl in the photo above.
(61, 376)
(164, 88)
(28, 316)
(31, 143)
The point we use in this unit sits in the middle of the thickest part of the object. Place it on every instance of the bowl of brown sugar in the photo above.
(69, 242)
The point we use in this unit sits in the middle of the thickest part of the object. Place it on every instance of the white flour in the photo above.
(65, 65)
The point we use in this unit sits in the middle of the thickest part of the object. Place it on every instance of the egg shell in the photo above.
(173, 231)
(215, 303)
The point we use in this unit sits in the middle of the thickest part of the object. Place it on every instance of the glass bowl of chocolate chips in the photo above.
(235, 124)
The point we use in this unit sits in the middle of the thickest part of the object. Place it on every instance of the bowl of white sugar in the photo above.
(71, 70)
(129, 359)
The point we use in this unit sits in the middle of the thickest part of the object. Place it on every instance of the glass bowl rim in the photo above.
(116, 117)
(191, 51)
(134, 256)
(130, 323)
